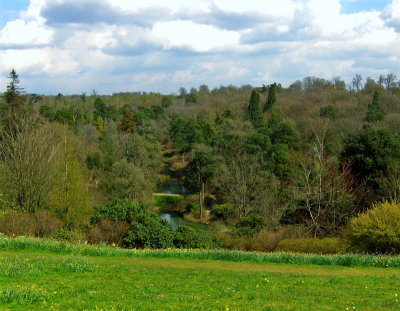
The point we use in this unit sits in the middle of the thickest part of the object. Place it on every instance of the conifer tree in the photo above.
(374, 112)
(127, 124)
(254, 110)
(271, 99)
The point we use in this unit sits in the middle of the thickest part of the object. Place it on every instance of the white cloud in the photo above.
(200, 38)
(157, 42)
(20, 32)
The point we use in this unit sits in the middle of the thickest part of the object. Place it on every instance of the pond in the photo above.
(173, 186)
(178, 221)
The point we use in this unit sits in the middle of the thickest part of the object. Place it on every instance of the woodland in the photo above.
(311, 167)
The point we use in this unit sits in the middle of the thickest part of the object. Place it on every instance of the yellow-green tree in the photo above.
(69, 196)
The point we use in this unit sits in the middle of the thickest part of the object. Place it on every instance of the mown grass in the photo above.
(58, 247)
(123, 283)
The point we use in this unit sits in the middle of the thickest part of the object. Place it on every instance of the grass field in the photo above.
(35, 278)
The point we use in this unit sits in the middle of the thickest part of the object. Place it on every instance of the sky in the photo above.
(107, 46)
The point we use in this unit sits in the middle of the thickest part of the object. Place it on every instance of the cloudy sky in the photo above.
(76, 46)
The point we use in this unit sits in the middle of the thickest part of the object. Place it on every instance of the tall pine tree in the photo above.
(271, 99)
(254, 110)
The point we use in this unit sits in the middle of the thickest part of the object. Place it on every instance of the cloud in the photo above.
(198, 37)
(391, 15)
(112, 45)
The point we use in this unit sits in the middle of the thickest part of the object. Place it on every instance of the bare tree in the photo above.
(357, 82)
(248, 188)
(325, 193)
(390, 80)
(27, 150)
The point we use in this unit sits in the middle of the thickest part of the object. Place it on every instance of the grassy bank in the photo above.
(58, 247)
(35, 280)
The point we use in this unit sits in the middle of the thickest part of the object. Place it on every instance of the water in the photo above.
(173, 186)
(177, 221)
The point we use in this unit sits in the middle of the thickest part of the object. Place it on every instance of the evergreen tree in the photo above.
(271, 99)
(374, 112)
(199, 171)
(254, 110)
(100, 125)
(127, 124)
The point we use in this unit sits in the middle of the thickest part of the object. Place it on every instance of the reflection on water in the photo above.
(173, 186)
(178, 221)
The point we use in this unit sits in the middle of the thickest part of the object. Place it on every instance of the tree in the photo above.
(127, 124)
(100, 125)
(199, 171)
(324, 195)
(254, 110)
(369, 153)
(250, 189)
(28, 150)
(357, 82)
(69, 196)
(390, 80)
(374, 112)
(271, 99)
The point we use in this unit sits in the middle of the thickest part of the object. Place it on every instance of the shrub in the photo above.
(328, 111)
(249, 225)
(377, 230)
(108, 231)
(16, 223)
(311, 245)
(146, 229)
(188, 237)
(73, 236)
(167, 203)
(150, 231)
(40, 224)
(222, 212)
(267, 241)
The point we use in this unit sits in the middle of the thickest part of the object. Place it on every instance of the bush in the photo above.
(249, 225)
(108, 231)
(150, 231)
(377, 230)
(311, 245)
(40, 224)
(72, 236)
(328, 111)
(187, 237)
(167, 203)
(267, 241)
(146, 229)
(222, 212)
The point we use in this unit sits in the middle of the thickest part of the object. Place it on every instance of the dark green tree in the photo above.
(199, 171)
(374, 112)
(271, 99)
(254, 110)
(369, 153)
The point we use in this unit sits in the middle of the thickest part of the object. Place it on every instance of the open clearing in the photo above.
(33, 280)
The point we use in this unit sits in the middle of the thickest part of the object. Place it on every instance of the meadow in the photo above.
(40, 274)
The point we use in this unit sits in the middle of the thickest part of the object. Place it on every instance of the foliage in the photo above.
(374, 112)
(73, 236)
(127, 124)
(146, 229)
(312, 245)
(328, 111)
(377, 230)
(369, 152)
(254, 110)
(222, 212)
(271, 99)
(188, 237)
(249, 225)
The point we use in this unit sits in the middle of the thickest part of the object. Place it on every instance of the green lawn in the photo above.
(38, 280)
